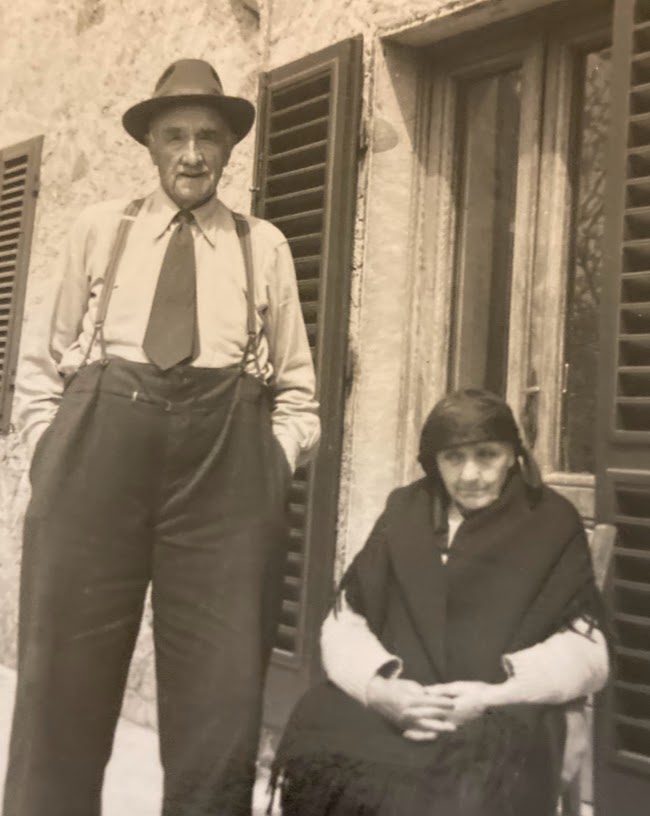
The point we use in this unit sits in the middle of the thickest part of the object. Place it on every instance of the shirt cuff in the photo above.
(564, 667)
(291, 449)
(352, 655)
(357, 678)
(32, 435)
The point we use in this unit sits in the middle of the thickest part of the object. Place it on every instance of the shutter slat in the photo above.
(310, 311)
(636, 687)
(9, 224)
(306, 90)
(640, 98)
(15, 179)
(306, 244)
(11, 197)
(640, 73)
(638, 192)
(635, 654)
(300, 224)
(304, 111)
(634, 722)
(635, 286)
(307, 266)
(309, 289)
(305, 156)
(632, 520)
(633, 586)
(304, 135)
(287, 203)
(296, 180)
(14, 186)
(14, 208)
(634, 380)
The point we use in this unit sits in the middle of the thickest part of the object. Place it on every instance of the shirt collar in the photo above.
(454, 520)
(210, 217)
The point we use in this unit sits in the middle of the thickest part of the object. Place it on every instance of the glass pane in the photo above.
(488, 135)
(581, 341)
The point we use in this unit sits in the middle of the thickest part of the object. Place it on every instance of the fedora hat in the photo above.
(189, 80)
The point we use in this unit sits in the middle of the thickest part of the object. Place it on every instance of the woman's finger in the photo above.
(429, 700)
(445, 689)
(419, 736)
(428, 712)
(432, 724)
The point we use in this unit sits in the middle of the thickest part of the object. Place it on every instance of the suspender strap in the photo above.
(126, 222)
(124, 227)
(244, 234)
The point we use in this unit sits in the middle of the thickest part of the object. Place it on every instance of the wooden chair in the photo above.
(602, 543)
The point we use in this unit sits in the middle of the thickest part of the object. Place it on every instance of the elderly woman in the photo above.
(469, 574)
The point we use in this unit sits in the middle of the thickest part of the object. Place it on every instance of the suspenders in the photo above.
(126, 222)
(128, 217)
(244, 234)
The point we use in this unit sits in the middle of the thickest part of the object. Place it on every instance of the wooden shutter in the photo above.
(307, 144)
(622, 779)
(19, 169)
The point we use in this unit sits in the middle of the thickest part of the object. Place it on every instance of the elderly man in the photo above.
(171, 404)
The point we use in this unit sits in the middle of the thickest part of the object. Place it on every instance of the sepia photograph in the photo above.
(325, 408)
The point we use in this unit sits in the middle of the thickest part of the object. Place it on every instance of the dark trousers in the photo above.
(173, 480)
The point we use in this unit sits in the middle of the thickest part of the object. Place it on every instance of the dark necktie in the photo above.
(172, 335)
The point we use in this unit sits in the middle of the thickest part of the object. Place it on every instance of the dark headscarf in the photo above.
(466, 417)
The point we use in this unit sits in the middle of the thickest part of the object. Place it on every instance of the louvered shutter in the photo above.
(307, 147)
(19, 168)
(622, 780)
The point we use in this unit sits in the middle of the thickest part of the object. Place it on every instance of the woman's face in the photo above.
(474, 474)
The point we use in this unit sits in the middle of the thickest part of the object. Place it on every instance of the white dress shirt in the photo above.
(283, 350)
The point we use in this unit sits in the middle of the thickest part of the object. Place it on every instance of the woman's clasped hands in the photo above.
(423, 712)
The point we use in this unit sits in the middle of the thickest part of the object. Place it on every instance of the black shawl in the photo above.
(517, 572)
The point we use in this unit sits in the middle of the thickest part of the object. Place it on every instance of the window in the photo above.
(489, 109)
(19, 167)
(516, 178)
(586, 262)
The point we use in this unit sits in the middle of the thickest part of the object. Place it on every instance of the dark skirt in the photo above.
(338, 758)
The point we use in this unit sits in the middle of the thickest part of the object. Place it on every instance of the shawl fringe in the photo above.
(469, 773)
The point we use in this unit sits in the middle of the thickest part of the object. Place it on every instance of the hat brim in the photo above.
(238, 112)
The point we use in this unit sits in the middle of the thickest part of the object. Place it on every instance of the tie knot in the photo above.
(184, 217)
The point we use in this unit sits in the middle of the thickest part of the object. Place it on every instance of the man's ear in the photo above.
(149, 142)
(232, 141)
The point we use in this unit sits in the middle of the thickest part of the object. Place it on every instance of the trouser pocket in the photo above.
(39, 449)
(282, 471)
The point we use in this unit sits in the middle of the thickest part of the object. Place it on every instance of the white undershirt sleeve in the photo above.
(352, 655)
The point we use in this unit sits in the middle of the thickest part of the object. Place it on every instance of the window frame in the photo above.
(544, 214)
(553, 231)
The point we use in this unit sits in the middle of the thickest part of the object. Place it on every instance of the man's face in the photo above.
(190, 145)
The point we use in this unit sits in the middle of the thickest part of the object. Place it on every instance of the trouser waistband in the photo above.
(183, 387)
